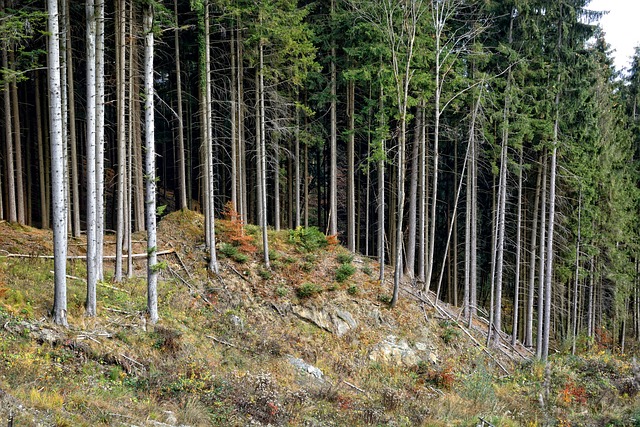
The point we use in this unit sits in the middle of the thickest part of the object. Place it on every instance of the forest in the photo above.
(484, 150)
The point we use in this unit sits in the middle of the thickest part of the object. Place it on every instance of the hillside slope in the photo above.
(310, 342)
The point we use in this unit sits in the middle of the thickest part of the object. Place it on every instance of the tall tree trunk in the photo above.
(58, 163)
(99, 137)
(381, 194)
(120, 134)
(17, 129)
(516, 282)
(550, 233)
(296, 165)
(73, 141)
(351, 170)
(413, 197)
(150, 167)
(262, 162)
(44, 207)
(333, 148)
(233, 119)
(182, 176)
(12, 208)
(532, 262)
(541, 257)
(576, 280)
(92, 241)
(208, 149)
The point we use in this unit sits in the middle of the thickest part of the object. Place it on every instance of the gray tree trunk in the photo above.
(120, 135)
(150, 168)
(92, 241)
(532, 262)
(58, 164)
(182, 176)
(99, 137)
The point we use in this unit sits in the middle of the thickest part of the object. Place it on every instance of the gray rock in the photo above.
(331, 319)
(305, 367)
(398, 352)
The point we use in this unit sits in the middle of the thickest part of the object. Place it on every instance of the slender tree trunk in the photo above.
(17, 129)
(99, 137)
(532, 262)
(92, 241)
(381, 194)
(208, 149)
(413, 197)
(422, 203)
(262, 162)
(121, 134)
(333, 149)
(550, 233)
(351, 170)
(182, 176)
(150, 167)
(58, 162)
(296, 166)
(541, 257)
(73, 141)
(516, 283)
(44, 207)
(12, 208)
(574, 317)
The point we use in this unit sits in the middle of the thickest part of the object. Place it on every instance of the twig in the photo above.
(354, 386)
(184, 267)
(237, 272)
(131, 360)
(115, 310)
(106, 257)
(228, 344)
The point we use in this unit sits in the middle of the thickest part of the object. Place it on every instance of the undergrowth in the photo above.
(220, 353)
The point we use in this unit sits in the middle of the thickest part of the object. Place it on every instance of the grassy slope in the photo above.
(220, 353)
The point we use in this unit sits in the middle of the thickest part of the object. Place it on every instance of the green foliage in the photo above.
(307, 239)
(345, 257)
(344, 272)
(352, 290)
(308, 289)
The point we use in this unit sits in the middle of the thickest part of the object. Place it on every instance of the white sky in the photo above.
(621, 26)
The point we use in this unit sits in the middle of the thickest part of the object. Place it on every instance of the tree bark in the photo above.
(58, 164)
(150, 167)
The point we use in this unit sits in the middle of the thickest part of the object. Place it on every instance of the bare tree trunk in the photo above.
(333, 149)
(58, 164)
(381, 193)
(182, 177)
(262, 165)
(75, 175)
(422, 204)
(532, 262)
(44, 207)
(150, 167)
(12, 208)
(550, 233)
(413, 196)
(17, 129)
(208, 149)
(121, 133)
(351, 170)
(541, 257)
(297, 161)
(516, 283)
(574, 329)
(92, 241)
(99, 137)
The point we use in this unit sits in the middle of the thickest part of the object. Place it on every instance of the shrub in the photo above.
(344, 272)
(307, 239)
(352, 290)
(344, 258)
(308, 289)
(265, 274)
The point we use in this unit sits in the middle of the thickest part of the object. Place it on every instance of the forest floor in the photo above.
(311, 341)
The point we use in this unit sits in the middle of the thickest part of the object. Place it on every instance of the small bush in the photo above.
(307, 239)
(352, 290)
(265, 274)
(308, 289)
(344, 258)
(367, 270)
(282, 291)
(228, 250)
(344, 272)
